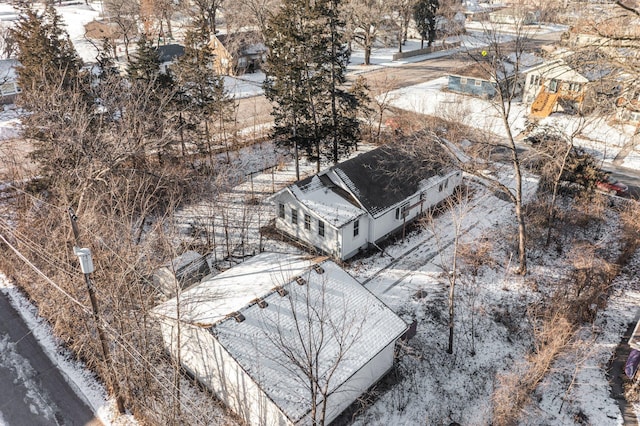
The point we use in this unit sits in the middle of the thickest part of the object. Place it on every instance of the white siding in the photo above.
(362, 380)
(340, 242)
(351, 244)
(212, 365)
(329, 243)
(388, 223)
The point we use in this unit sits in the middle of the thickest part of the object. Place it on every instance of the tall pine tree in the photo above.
(424, 13)
(201, 91)
(305, 74)
(45, 52)
(54, 92)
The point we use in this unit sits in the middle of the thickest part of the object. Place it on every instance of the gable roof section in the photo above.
(216, 296)
(383, 177)
(169, 52)
(557, 70)
(242, 42)
(352, 317)
(329, 202)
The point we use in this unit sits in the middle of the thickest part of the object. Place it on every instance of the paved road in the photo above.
(255, 111)
(32, 389)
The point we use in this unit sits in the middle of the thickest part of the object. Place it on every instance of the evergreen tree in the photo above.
(201, 91)
(345, 105)
(45, 52)
(145, 63)
(305, 73)
(424, 13)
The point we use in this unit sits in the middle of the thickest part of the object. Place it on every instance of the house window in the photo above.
(401, 212)
(478, 83)
(294, 216)
(356, 228)
(440, 187)
(446, 183)
(307, 221)
(281, 210)
(575, 87)
(553, 86)
(535, 80)
(321, 228)
(463, 80)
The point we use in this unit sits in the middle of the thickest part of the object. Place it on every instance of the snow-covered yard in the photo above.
(430, 386)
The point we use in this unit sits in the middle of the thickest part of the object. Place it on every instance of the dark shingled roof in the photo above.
(385, 176)
(170, 52)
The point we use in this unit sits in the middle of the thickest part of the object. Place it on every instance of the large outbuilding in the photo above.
(273, 334)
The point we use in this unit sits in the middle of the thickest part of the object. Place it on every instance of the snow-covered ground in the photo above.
(436, 387)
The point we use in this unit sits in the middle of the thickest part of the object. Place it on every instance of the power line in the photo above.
(118, 337)
(42, 274)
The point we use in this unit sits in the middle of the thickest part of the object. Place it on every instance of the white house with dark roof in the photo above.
(361, 201)
(242, 332)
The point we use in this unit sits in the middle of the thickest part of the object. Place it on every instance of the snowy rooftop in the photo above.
(323, 200)
(350, 315)
(233, 289)
(558, 70)
(386, 176)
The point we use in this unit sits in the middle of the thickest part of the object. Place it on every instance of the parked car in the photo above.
(613, 187)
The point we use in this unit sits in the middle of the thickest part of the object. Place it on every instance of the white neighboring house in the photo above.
(361, 201)
(549, 82)
(242, 332)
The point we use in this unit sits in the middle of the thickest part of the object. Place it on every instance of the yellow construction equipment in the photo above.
(543, 104)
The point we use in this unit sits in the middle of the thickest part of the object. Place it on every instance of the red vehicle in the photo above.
(613, 187)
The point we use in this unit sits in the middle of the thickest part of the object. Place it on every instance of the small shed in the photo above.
(183, 271)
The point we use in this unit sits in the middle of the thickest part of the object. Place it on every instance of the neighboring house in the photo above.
(361, 201)
(514, 16)
(183, 271)
(628, 109)
(167, 55)
(547, 84)
(473, 80)
(238, 53)
(478, 79)
(8, 81)
(240, 333)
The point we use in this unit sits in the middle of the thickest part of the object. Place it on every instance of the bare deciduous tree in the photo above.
(319, 341)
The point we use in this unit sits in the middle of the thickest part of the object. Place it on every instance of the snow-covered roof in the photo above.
(558, 70)
(351, 318)
(326, 200)
(231, 290)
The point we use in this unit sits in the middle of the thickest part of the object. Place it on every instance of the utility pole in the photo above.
(86, 264)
